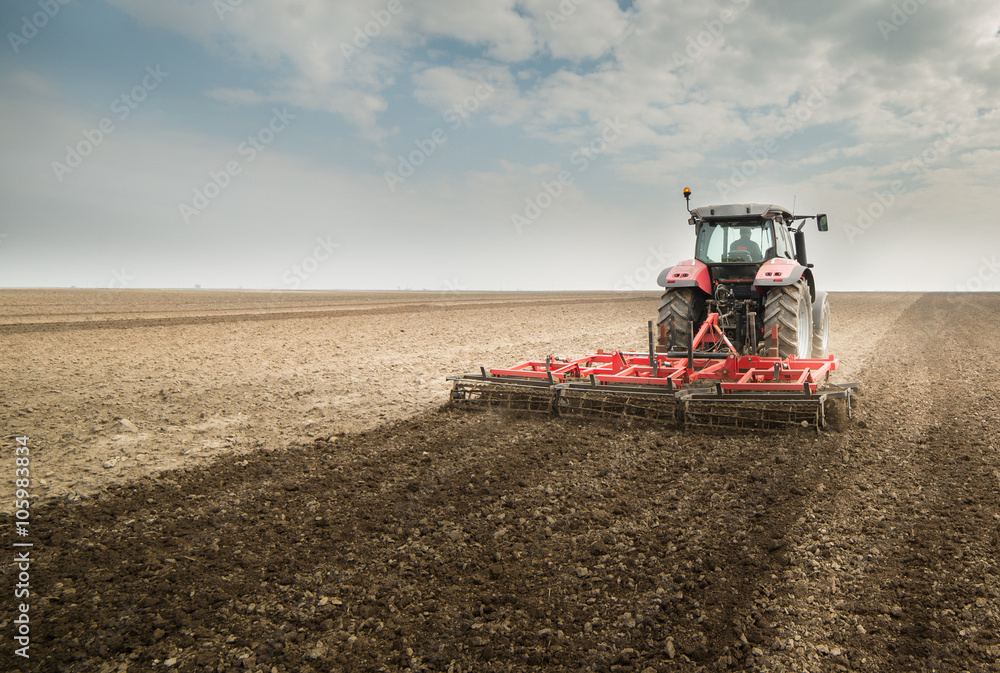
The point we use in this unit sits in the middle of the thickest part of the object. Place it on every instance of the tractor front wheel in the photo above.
(790, 308)
(821, 325)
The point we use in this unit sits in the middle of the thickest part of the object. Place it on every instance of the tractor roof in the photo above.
(740, 211)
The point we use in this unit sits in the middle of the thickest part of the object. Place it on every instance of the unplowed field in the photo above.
(254, 482)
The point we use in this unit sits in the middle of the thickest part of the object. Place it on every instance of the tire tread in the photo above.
(781, 308)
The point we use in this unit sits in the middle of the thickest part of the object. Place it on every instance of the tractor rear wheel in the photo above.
(821, 326)
(790, 308)
(680, 309)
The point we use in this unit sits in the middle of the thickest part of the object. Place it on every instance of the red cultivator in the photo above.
(709, 385)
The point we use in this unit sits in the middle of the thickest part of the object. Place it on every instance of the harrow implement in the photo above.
(709, 385)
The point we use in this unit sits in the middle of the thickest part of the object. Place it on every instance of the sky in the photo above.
(490, 144)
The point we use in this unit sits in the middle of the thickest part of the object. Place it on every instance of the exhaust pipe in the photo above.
(800, 248)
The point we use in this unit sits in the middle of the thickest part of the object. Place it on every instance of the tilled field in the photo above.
(463, 541)
(119, 384)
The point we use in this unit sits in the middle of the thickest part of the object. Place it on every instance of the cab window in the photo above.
(786, 236)
(781, 248)
(734, 242)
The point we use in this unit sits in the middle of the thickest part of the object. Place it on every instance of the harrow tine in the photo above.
(493, 394)
(616, 403)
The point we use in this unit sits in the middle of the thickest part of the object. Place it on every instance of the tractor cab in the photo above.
(735, 240)
(741, 242)
(741, 234)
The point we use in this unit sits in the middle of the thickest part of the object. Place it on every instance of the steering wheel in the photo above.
(738, 256)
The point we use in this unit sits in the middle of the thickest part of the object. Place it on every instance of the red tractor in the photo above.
(750, 267)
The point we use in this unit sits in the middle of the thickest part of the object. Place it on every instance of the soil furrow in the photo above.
(884, 570)
(936, 583)
(174, 321)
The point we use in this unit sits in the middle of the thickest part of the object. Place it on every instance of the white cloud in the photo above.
(27, 82)
(468, 90)
(236, 96)
(496, 25)
(578, 29)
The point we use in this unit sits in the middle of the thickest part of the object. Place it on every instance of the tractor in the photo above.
(741, 342)
(750, 267)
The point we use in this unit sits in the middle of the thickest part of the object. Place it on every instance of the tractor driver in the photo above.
(744, 244)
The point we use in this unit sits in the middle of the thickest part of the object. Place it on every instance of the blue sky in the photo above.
(530, 144)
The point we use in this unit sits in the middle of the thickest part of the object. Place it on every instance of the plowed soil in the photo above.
(433, 539)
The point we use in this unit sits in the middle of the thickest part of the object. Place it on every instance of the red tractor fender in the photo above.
(689, 273)
(779, 272)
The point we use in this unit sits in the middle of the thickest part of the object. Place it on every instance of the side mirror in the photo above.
(821, 223)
